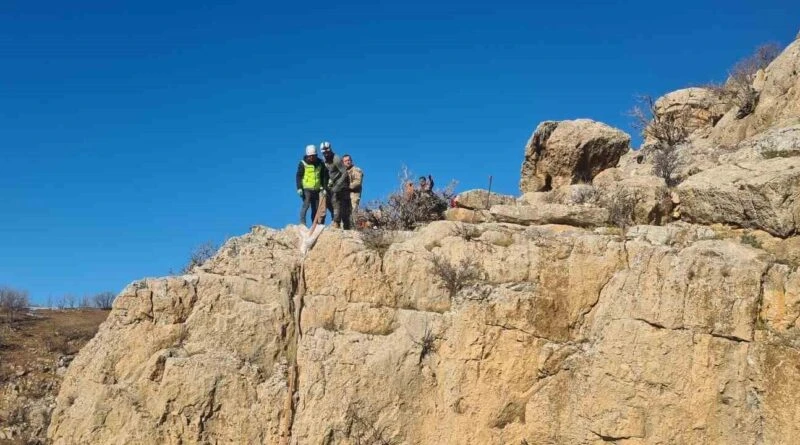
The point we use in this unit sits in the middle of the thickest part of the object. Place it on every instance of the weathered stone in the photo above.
(567, 152)
(763, 195)
(650, 196)
(581, 216)
(567, 337)
(478, 199)
(467, 215)
(783, 142)
(698, 107)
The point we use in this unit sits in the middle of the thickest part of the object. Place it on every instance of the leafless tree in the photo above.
(738, 89)
(104, 300)
(13, 301)
(200, 255)
(668, 130)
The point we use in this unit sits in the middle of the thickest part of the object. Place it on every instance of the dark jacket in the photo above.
(337, 174)
(301, 169)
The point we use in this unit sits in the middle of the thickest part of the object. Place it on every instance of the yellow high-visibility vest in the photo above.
(311, 176)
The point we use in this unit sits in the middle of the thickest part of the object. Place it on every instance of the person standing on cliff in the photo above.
(356, 177)
(338, 186)
(311, 176)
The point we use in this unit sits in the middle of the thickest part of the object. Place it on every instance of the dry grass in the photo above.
(32, 345)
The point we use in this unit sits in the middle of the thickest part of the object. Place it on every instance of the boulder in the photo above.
(699, 107)
(652, 203)
(581, 216)
(568, 152)
(477, 199)
(467, 215)
(763, 195)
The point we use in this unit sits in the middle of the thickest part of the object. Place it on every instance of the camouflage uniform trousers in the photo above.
(339, 205)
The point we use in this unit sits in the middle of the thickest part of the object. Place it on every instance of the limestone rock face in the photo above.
(580, 216)
(561, 335)
(778, 105)
(763, 195)
(478, 199)
(567, 152)
(702, 106)
(782, 142)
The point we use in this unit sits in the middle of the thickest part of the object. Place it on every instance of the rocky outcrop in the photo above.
(568, 336)
(479, 199)
(778, 89)
(763, 195)
(579, 216)
(567, 152)
(698, 107)
(783, 142)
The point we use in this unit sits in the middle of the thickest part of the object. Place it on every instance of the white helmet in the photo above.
(325, 145)
(311, 150)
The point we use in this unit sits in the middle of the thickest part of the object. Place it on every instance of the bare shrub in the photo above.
(668, 130)
(377, 239)
(621, 206)
(751, 240)
(583, 194)
(200, 255)
(13, 302)
(362, 430)
(455, 276)
(426, 344)
(104, 300)
(738, 89)
(407, 207)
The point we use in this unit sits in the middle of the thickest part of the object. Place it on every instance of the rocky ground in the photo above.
(35, 349)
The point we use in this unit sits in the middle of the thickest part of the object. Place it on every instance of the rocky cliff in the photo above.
(538, 324)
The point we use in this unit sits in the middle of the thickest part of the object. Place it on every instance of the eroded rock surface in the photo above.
(565, 336)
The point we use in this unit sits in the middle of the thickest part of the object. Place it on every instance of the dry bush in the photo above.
(362, 430)
(377, 239)
(104, 300)
(621, 206)
(406, 211)
(13, 302)
(583, 194)
(427, 344)
(200, 255)
(455, 276)
(738, 89)
(668, 130)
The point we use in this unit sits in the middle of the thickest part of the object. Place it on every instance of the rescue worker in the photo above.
(310, 178)
(338, 186)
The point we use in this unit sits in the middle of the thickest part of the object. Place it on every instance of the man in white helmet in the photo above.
(310, 179)
(338, 186)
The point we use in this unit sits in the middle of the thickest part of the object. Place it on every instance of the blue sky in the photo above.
(131, 132)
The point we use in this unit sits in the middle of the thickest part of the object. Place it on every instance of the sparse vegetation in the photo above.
(361, 430)
(455, 276)
(406, 208)
(621, 207)
(103, 300)
(426, 344)
(377, 239)
(750, 240)
(668, 130)
(200, 255)
(738, 89)
(13, 302)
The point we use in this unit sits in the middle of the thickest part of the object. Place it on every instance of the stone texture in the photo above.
(701, 106)
(567, 152)
(783, 142)
(467, 215)
(652, 202)
(763, 195)
(477, 199)
(580, 216)
(778, 105)
(568, 337)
